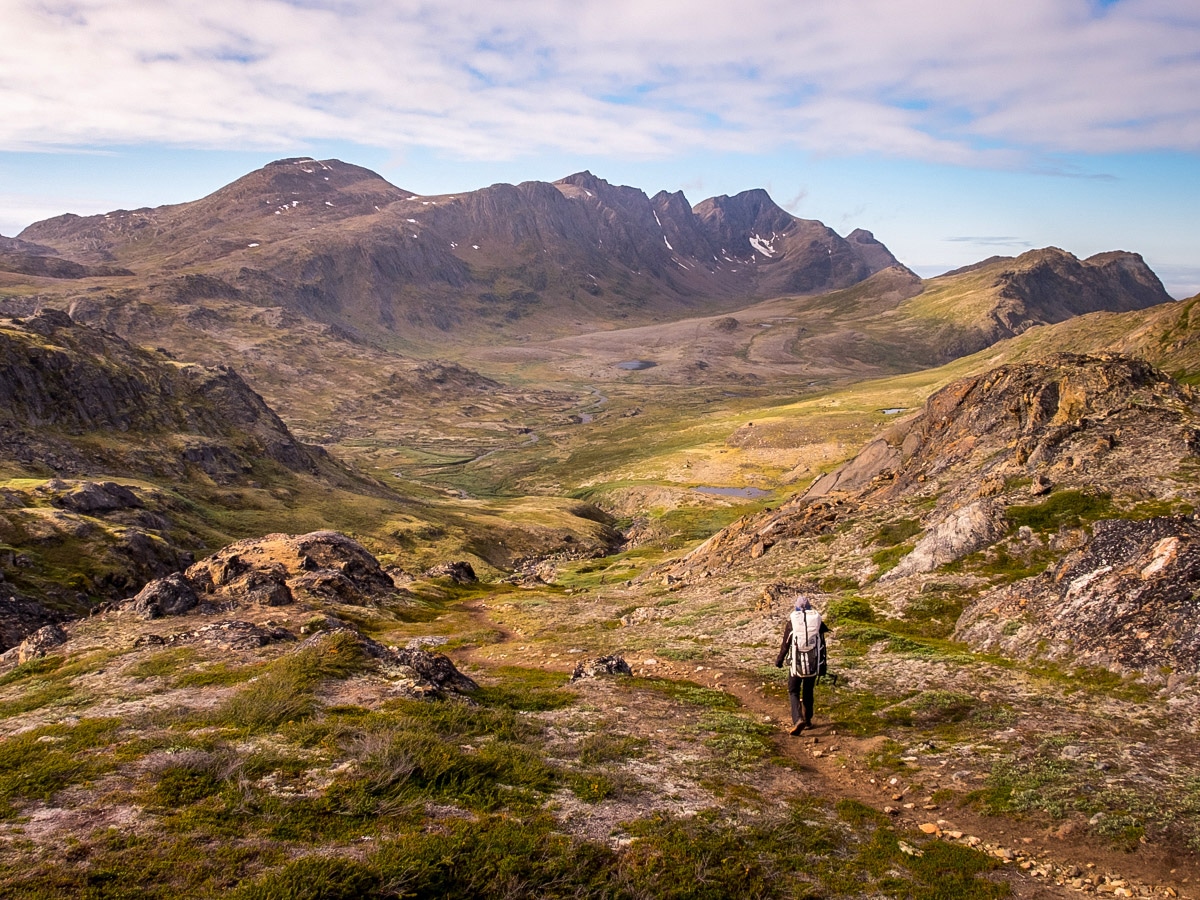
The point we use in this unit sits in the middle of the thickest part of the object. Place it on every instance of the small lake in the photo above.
(891, 411)
(747, 493)
(635, 365)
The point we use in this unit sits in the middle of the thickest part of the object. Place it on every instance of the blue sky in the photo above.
(952, 130)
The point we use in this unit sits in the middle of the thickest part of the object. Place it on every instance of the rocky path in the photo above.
(1037, 862)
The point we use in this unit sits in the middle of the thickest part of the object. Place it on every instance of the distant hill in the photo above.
(973, 307)
(889, 323)
(338, 243)
(116, 462)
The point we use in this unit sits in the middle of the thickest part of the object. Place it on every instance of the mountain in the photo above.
(337, 243)
(890, 322)
(971, 308)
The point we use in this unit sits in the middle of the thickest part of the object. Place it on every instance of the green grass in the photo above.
(849, 609)
(162, 664)
(36, 697)
(284, 691)
(1062, 509)
(896, 532)
(888, 558)
(36, 764)
(31, 669)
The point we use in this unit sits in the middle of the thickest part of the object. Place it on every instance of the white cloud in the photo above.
(963, 82)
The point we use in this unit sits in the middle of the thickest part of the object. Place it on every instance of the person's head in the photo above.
(802, 602)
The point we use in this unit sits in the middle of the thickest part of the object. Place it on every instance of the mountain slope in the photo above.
(1035, 475)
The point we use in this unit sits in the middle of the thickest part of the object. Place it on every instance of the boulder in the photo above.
(91, 497)
(459, 572)
(37, 644)
(170, 596)
(604, 665)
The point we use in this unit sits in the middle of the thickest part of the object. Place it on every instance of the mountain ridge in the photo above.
(342, 244)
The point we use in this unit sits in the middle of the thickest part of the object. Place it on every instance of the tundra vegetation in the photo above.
(1007, 560)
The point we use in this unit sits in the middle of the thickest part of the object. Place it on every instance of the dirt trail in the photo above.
(835, 766)
(838, 762)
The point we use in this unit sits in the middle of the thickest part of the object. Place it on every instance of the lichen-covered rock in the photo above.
(235, 635)
(170, 596)
(434, 669)
(459, 572)
(963, 531)
(605, 665)
(1128, 600)
(37, 644)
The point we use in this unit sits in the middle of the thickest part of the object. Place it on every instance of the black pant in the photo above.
(797, 684)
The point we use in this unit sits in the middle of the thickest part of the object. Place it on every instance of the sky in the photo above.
(954, 130)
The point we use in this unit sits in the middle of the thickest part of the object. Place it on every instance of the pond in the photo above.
(635, 365)
(893, 410)
(748, 493)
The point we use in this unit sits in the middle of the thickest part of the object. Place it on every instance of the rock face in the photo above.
(275, 570)
(1127, 600)
(963, 531)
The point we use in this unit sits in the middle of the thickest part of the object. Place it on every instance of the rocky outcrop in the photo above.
(231, 634)
(987, 442)
(90, 497)
(1127, 601)
(275, 570)
(963, 531)
(1110, 420)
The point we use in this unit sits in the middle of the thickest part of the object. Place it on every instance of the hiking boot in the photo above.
(797, 728)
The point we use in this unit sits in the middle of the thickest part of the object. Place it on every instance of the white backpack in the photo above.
(807, 645)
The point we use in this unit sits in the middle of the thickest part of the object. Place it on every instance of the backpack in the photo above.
(808, 644)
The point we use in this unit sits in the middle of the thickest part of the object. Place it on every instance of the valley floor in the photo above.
(130, 767)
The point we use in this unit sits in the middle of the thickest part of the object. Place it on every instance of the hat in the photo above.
(802, 602)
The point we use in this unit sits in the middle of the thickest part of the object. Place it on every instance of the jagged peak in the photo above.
(585, 179)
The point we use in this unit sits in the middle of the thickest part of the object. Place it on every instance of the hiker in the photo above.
(804, 647)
